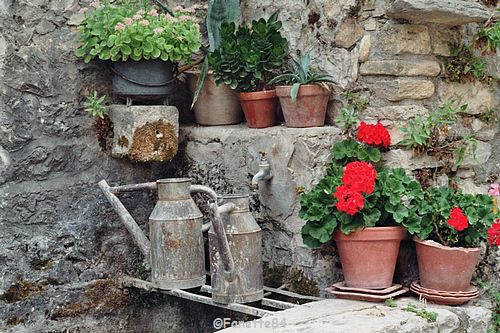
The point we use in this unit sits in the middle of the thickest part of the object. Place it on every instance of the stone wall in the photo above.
(61, 243)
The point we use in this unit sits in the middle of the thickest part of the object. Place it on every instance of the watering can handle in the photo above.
(140, 239)
(133, 187)
(223, 245)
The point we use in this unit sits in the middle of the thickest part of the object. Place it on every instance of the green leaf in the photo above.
(201, 81)
(156, 53)
(294, 91)
(80, 52)
(126, 50)
(148, 47)
(372, 217)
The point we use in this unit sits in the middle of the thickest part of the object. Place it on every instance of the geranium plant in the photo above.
(455, 219)
(358, 192)
(133, 30)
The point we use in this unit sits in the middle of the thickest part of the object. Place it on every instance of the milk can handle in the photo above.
(222, 243)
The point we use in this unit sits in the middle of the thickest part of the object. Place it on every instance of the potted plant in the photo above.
(304, 97)
(448, 245)
(214, 104)
(143, 45)
(246, 60)
(365, 206)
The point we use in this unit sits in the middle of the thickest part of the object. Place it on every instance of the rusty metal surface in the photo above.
(177, 252)
(128, 281)
(244, 236)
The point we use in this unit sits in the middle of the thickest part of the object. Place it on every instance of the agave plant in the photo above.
(302, 73)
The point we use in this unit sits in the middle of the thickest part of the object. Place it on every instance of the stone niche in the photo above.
(145, 133)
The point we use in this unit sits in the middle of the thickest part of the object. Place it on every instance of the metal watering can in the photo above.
(175, 248)
(241, 281)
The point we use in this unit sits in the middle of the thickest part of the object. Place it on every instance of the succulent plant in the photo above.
(247, 57)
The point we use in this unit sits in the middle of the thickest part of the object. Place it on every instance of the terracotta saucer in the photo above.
(341, 286)
(364, 297)
(446, 300)
(471, 291)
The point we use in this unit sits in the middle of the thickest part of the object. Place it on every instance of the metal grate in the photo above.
(272, 305)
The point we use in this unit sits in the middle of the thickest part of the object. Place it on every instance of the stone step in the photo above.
(344, 316)
(447, 12)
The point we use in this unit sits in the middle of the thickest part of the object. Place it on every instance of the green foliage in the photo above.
(391, 203)
(491, 117)
(488, 38)
(431, 316)
(220, 11)
(247, 57)
(301, 74)
(421, 131)
(95, 105)
(390, 302)
(348, 116)
(435, 207)
(127, 30)
(463, 66)
(429, 134)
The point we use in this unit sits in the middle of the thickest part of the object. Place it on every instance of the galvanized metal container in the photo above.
(244, 284)
(144, 79)
(177, 252)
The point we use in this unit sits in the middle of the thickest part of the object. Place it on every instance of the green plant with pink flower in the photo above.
(130, 30)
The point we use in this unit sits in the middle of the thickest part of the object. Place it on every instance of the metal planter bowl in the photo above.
(144, 79)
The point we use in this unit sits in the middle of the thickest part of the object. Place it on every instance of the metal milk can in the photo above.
(241, 281)
(175, 248)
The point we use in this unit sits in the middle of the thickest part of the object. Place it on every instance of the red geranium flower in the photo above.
(494, 233)
(457, 219)
(359, 176)
(349, 201)
(375, 135)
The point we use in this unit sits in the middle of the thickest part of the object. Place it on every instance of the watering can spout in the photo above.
(138, 235)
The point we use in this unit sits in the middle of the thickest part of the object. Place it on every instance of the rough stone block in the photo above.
(370, 24)
(364, 48)
(479, 97)
(401, 39)
(348, 33)
(449, 12)
(482, 155)
(4, 164)
(145, 133)
(441, 39)
(484, 131)
(400, 89)
(399, 112)
(400, 68)
(409, 160)
(341, 64)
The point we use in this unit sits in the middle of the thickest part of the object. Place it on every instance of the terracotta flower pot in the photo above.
(309, 109)
(259, 108)
(216, 105)
(445, 268)
(369, 256)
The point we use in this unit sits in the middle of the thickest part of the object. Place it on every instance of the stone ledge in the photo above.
(344, 316)
(222, 133)
(447, 12)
